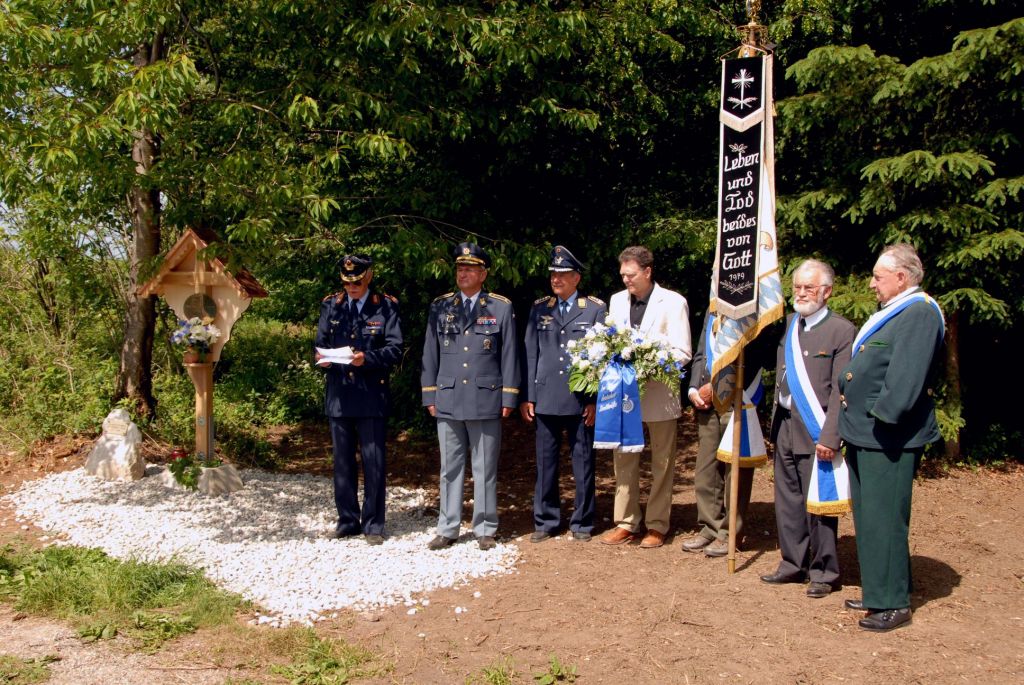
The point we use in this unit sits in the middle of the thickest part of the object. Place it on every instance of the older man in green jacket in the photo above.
(887, 418)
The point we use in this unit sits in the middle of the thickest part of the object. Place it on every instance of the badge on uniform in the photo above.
(581, 303)
(486, 321)
(487, 343)
(546, 320)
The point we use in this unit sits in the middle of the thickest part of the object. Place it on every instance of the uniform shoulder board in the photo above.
(540, 299)
(443, 297)
(390, 298)
(499, 298)
(595, 300)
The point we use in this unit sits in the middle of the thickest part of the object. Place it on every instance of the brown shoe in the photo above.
(652, 539)
(617, 536)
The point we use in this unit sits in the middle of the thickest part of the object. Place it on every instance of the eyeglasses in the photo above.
(810, 289)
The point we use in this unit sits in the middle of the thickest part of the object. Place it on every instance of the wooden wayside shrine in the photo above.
(204, 288)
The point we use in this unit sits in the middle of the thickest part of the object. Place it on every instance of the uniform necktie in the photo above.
(355, 308)
(467, 310)
(565, 308)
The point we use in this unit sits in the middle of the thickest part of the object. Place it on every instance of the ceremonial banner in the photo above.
(618, 424)
(752, 448)
(746, 291)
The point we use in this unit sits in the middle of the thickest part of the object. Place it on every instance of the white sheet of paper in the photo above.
(336, 355)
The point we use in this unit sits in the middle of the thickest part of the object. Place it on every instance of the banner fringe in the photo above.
(836, 508)
(745, 462)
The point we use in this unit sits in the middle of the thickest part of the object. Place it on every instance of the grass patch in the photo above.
(17, 671)
(326, 661)
(103, 597)
(501, 672)
(556, 673)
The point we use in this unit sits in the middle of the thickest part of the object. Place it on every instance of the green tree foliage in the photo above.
(878, 152)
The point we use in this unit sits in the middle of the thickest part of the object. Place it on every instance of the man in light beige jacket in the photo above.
(655, 313)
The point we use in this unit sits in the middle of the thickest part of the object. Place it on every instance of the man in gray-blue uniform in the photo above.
(553, 322)
(357, 398)
(470, 382)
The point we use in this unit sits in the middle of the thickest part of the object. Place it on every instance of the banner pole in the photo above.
(734, 466)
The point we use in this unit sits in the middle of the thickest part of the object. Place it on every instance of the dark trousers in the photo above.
(807, 541)
(371, 432)
(546, 497)
(881, 483)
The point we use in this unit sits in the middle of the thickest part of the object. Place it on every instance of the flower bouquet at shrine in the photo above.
(616, 364)
(197, 336)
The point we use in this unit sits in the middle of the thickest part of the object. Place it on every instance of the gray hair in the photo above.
(828, 275)
(903, 257)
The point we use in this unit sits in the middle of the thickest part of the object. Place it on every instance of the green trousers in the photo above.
(881, 482)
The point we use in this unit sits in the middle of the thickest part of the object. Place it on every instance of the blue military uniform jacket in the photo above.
(547, 362)
(354, 391)
(886, 398)
(470, 366)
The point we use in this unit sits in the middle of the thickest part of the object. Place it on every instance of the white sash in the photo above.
(829, 491)
(804, 399)
(886, 314)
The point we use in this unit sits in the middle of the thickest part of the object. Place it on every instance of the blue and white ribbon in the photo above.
(805, 400)
(829, 491)
(884, 316)
(752, 448)
(618, 424)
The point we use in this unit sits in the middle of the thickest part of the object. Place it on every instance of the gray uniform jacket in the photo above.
(826, 349)
(547, 361)
(470, 366)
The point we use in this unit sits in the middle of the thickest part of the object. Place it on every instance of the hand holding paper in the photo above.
(335, 355)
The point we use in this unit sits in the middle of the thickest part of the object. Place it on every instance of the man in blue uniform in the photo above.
(470, 382)
(887, 418)
(553, 322)
(357, 400)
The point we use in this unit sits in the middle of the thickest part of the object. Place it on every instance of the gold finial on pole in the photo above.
(751, 32)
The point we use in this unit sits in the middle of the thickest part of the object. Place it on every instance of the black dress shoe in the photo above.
(440, 542)
(581, 536)
(818, 590)
(885, 620)
(778, 578)
(486, 542)
(339, 533)
(540, 536)
(855, 604)
(374, 539)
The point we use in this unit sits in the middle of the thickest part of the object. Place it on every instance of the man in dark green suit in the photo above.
(887, 418)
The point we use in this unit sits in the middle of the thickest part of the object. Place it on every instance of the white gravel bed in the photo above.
(266, 542)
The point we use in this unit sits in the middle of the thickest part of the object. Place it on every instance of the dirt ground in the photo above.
(624, 614)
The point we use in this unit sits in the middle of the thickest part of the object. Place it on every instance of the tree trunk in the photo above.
(134, 379)
(953, 390)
